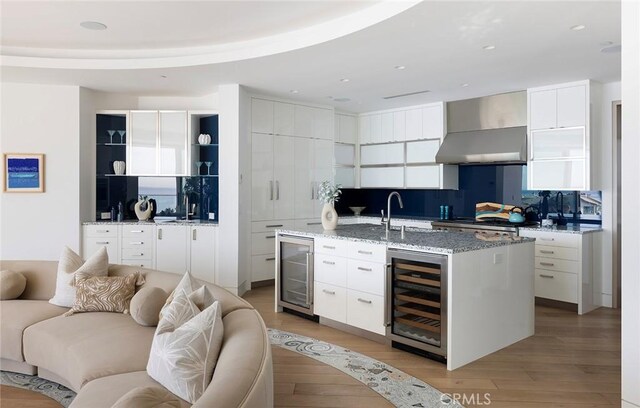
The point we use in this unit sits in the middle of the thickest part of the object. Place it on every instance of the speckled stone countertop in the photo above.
(416, 239)
(568, 229)
(376, 219)
(159, 222)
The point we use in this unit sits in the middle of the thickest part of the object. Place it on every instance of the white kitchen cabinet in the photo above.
(202, 250)
(142, 143)
(346, 129)
(345, 154)
(384, 154)
(261, 116)
(382, 177)
(283, 119)
(364, 129)
(304, 180)
(323, 127)
(423, 151)
(399, 126)
(330, 301)
(173, 143)
(542, 109)
(423, 176)
(376, 128)
(558, 106)
(558, 143)
(137, 245)
(345, 176)
(283, 177)
(413, 127)
(322, 168)
(386, 128)
(263, 248)
(433, 121)
(172, 248)
(303, 121)
(557, 175)
(572, 106)
(366, 311)
(94, 238)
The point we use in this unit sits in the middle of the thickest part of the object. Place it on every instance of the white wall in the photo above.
(42, 119)
(630, 199)
(207, 102)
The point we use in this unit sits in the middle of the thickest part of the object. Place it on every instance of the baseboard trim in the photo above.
(573, 307)
(261, 284)
(355, 331)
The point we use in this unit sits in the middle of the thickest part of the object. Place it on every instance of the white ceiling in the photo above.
(440, 43)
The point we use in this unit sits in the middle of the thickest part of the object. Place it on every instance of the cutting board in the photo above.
(492, 211)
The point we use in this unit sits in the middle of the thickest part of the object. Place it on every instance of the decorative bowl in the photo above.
(357, 210)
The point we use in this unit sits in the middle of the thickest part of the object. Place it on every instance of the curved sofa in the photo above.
(102, 356)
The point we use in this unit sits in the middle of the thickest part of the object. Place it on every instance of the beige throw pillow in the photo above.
(104, 293)
(183, 359)
(12, 284)
(146, 304)
(71, 263)
(187, 284)
(147, 397)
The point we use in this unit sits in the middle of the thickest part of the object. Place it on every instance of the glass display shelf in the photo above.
(206, 145)
(111, 144)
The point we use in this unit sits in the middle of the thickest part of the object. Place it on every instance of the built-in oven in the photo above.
(294, 273)
(416, 312)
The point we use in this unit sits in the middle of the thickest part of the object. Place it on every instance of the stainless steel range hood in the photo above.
(487, 130)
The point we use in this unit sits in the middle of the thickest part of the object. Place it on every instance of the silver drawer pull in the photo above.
(136, 231)
(270, 259)
(547, 239)
(103, 243)
(328, 292)
(328, 247)
(102, 231)
(140, 254)
(328, 263)
(365, 252)
(274, 226)
(546, 276)
(364, 301)
(314, 223)
(136, 243)
(546, 264)
(270, 237)
(543, 251)
(360, 268)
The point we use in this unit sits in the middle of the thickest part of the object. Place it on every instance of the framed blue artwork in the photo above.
(23, 173)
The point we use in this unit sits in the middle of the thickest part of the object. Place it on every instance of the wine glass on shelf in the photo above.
(111, 133)
(198, 165)
(122, 132)
(208, 167)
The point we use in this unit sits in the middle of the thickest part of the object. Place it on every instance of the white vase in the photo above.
(118, 167)
(143, 215)
(204, 139)
(329, 217)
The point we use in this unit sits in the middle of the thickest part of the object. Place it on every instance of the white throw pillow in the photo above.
(182, 360)
(71, 263)
(187, 284)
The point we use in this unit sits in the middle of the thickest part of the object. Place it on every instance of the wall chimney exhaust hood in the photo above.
(487, 130)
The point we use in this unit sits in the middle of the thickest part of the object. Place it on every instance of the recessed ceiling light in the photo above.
(611, 49)
(345, 80)
(93, 25)
(294, 91)
(464, 85)
(578, 27)
(400, 67)
(489, 47)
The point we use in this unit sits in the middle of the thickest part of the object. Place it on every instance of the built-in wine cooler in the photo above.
(295, 274)
(417, 301)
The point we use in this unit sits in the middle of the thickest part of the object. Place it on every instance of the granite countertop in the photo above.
(376, 218)
(158, 222)
(568, 229)
(416, 239)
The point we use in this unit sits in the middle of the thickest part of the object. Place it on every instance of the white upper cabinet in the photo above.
(433, 120)
(423, 151)
(173, 143)
(376, 129)
(323, 124)
(572, 106)
(413, 127)
(559, 107)
(262, 116)
(303, 121)
(283, 119)
(364, 130)
(399, 126)
(142, 148)
(346, 129)
(392, 153)
(386, 128)
(542, 109)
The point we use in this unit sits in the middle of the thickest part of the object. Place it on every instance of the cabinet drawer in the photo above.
(330, 301)
(137, 243)
(263, 267)
(555, 239)
(266, 226)
(138, 231)
(143, 263)
(366, 276)
(367, 252)
(570, 254)
(308, 222)
(561, 265)
(330, 247)
(263, 243)
(109, 230)
(91, 244)
(330, 269)
(137, 253)
(557, 285)
(365, 311)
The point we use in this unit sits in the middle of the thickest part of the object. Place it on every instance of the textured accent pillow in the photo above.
(183, 360)
(12, 284)
(186, 284)
(147, 397)
(71, 263)
(104, 293)
(146, 304)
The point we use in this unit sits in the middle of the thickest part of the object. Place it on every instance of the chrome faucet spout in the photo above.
(388, 223)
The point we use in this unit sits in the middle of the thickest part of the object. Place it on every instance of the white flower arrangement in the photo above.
(329, 193)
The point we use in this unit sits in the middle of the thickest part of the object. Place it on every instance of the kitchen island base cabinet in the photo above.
(330, 301)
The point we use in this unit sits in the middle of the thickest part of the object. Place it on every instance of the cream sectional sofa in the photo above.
(102, 356)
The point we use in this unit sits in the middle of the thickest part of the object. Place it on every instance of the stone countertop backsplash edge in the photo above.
(159, 223)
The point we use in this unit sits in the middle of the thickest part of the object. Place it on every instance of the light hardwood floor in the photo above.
(571, 362)
(13, 397)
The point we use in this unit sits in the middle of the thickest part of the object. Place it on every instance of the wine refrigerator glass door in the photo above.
(295, 269)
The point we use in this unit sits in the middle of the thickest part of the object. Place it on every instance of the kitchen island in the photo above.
(457, 296)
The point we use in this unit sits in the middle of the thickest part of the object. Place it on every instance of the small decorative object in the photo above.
(122, 132)
(208, 164)
(357, 210)
(23, 173)
(204, 139)
(198, 167)
(143, 208)
(118, 167)
(329, 193)
(111, 133)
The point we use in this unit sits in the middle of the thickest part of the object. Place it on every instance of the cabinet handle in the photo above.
(274, 226)
(544, 251)
(314, 223)
(194, 234)
(546, 264)
(270, 259)
(328, 263)
(136, 243)
(103, 243)
(277, 190)
(364, 301)
(328, 247)
(546, 276)
(360, 268)
(270, 236)
(365, 252)
(136, 231)
(271, 190)
(329, 292)
(547, 239)
(140, 254)
(102, 231)
(159, 233)
(312, 191)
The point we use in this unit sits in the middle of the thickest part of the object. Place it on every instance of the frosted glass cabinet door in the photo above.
(173, 143)
(557, 175)
(143, 142)
(558, 143)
